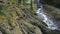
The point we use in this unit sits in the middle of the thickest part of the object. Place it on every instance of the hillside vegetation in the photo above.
(19, 17)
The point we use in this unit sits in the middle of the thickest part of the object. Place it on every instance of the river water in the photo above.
(45, 18)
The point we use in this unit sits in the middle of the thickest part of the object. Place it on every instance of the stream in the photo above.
(45, 18)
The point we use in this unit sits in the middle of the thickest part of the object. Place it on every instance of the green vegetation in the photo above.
(19, 17)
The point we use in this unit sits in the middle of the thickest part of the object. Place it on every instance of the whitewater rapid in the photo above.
(41, 14)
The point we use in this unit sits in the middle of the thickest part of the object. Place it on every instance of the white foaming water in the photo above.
(45, 19)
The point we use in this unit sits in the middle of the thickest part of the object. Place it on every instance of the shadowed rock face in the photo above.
(55, 3)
